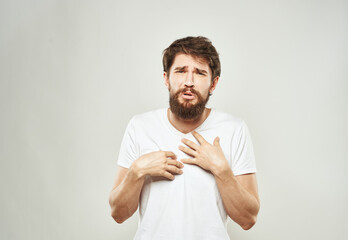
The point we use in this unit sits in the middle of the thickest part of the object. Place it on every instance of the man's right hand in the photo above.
(159, 163)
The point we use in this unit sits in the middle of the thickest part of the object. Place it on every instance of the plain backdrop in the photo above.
(73, 73)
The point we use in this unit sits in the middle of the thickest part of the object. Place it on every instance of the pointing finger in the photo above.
(199, 137)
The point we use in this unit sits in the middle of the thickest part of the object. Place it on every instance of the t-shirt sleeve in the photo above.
(243, 159)
(128, 149)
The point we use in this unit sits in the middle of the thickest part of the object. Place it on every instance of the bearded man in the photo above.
(187, 167)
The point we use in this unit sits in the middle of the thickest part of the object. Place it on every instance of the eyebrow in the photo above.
(201, 70)
(197, 69)
(180, 68)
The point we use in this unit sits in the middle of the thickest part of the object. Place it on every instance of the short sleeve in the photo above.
(128, 150)
(243, 159)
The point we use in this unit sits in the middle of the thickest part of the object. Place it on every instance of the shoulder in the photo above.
(147, 117)
(223, 117)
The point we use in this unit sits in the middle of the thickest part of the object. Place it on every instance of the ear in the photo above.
(214, 83)
(166, 79)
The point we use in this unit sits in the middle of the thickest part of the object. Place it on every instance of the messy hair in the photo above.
(200, 47)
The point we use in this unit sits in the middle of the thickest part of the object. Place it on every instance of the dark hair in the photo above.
(200, 47)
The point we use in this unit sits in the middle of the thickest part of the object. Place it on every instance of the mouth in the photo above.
(188, 95)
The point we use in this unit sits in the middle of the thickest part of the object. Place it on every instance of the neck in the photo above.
(187, 125)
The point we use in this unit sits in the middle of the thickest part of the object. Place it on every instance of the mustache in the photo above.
(188, 89)
(185, 89)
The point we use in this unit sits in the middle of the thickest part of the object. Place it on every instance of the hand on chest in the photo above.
(194, 149)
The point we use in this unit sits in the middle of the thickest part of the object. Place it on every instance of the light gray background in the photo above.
(74, 72)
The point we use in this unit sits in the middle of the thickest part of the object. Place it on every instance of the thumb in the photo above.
(217, 141)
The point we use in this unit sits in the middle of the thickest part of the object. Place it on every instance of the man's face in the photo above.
(189, 83)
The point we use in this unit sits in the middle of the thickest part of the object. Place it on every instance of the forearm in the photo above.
(124, 199)
(240, 205)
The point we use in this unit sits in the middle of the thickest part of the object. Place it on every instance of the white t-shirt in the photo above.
(190, 206)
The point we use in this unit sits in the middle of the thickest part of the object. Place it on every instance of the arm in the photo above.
(240, 196)
(124, 196)
(238, 193)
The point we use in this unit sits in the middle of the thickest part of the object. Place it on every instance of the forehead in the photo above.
(182, 59)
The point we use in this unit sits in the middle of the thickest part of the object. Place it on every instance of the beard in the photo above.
(186, 110)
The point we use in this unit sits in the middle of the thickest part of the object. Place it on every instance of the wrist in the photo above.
(223, 173)
(137, 172)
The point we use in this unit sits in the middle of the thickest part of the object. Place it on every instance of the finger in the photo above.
(170, 154)
(199, 137)
(188, 151)
(167, 175)
(174, 169)
(189, 143)
(175, 163)
(217, 141)
(189, 161)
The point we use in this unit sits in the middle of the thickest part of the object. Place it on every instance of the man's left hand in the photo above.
(207, 156)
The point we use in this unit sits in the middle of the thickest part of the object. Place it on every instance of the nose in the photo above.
(189, 80)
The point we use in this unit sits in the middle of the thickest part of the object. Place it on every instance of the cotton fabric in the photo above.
(190, 206)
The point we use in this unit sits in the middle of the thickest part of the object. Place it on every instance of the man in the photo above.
(187, 167)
